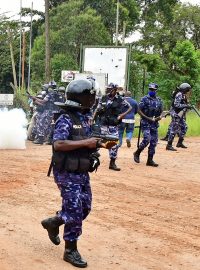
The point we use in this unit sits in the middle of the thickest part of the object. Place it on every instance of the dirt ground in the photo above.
(142, 218)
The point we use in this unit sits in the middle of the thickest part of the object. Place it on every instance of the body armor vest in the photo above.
(108, 114)
(77, 161)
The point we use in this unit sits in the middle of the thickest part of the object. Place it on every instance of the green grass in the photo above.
(193, 122)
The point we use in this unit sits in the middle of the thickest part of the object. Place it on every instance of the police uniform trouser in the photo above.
(178, 125)
(76, 204)
(150, 137)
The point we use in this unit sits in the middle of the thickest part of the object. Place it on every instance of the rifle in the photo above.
(196, 111)
(105, 140)
(183, 112)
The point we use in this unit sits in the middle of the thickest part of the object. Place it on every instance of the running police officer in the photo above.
(73, 157)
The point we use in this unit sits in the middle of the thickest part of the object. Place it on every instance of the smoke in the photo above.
(13, 129)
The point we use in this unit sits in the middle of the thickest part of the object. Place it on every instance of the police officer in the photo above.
(178, 113)
(109, 112)
(73, 157)
(128, 122)
(56, 95)
(150, 109)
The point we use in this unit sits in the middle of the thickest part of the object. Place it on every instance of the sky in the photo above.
(12, 7)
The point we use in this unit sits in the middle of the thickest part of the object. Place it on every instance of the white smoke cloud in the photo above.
(13, 131)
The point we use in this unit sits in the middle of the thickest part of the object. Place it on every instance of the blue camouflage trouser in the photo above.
(43, 123)
(111, 130)
(150, 137)
(178, 126)
(76, 203)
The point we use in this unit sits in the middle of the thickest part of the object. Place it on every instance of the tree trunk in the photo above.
(12, 59)
(47, 43)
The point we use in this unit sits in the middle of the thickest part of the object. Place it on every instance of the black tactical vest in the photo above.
(77, 161)
(108, 114)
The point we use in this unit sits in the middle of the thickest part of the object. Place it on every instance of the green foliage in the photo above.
(62, 62)
(192, 122)
(21, 101)
(185, 61)
(82, 26)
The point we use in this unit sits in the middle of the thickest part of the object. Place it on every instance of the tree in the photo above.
(82, 26)
(47, 42)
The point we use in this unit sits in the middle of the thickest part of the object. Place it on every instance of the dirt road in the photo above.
(142, 218)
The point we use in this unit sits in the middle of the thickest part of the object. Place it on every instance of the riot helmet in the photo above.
(185, 87)
(61, 89)
(52, 84)
(80, 94)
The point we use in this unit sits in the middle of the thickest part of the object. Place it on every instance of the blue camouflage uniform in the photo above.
(74, 187)
(178, 124)
(151, 107)
(112, 129)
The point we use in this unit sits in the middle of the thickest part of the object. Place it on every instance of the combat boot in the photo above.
(39, 140)
(71, 255)
(170, 147)
(180, 143)
(52, 227)
(113, 166)
(150, 162)
(136, 155)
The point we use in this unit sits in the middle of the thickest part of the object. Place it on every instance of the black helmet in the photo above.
(52, 84)
(61, 89)
(185, 87)
(80, 94)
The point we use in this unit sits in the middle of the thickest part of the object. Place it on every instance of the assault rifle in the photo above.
(105, 140)
(183, 112)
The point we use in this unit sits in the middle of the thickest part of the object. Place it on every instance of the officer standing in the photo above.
(150, 109)
(128, 121)
(110, 110)
(73, 157)
(178, 113)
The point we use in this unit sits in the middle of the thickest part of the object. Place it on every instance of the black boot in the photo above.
(150, 162)
(180, 143)
(170, 147)
(72, 255)
(39, 140)
(113, 166)
(136, 155)
(52, 227)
